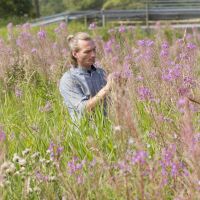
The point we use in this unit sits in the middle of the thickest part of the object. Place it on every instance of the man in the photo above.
(84, 85)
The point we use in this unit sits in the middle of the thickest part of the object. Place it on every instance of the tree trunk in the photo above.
(37, 8)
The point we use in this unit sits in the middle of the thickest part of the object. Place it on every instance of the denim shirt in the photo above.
(78, 85)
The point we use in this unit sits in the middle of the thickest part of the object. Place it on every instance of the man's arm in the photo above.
(72, 94)
(92, 102)
(75, 98)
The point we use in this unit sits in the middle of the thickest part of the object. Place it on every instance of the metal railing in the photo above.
(150, 10)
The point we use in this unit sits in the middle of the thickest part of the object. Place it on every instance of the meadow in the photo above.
(147, 148)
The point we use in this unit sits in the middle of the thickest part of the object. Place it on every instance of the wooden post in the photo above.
(103, 18)
(147, 14)
(37, 8)
(66, 19)
(85, 21)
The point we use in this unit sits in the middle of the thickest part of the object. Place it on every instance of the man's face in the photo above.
(86, 54)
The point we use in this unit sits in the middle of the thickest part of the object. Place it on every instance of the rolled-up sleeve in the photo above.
(72, 93)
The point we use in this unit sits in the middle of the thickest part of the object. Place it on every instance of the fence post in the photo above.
(103, 18)
(66, 19)
(147, 14)
(85, 21)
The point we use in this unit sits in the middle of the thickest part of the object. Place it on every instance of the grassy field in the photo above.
(146, 148)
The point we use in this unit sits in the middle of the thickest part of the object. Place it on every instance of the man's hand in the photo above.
(116, 78)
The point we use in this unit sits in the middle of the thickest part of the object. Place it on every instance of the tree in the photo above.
(15, 7)
(37, 8)
(49, 7)
(83, 4)
(125, 4)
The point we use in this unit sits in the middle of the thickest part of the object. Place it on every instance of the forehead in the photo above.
(86, 44)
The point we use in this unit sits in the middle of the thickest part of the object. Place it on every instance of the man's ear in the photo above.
(74, 53)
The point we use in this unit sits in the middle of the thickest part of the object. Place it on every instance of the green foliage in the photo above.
(126, 4)
(17, 7)
(48, 7)
(83, 4)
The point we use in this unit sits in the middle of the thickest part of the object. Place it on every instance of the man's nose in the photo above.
(93, 54)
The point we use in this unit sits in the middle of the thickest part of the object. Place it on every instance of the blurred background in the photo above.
(133, 11)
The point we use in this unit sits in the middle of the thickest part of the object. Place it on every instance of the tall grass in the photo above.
(146, 148)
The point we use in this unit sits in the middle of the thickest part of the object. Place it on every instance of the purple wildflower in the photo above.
(181, 102)
(108, 46)
(47, 107)
(25, 36)
(122, 29)
(80, 179)
(183, 91)
(64, 52)
(62, 26)
(18, 92)
(188, 81)
(93, 162)
(144, 93)
(127, 71)
(38, 175)
(139, 78)
(51, 150)
(167, 75)
(57, 30)
(141, 43)
(55, 151)
(112, 30)
(19, 42)
(74, 165)
(33, 50)
(139, 157)
(9, 26)
(2, 135)
(117, 74)
(149, 43)
(152, 135)
(164, 53)
(123, 166)
(26, 26)
(191, 46)
(41, 34)
(165, 45)
(60, 150)
(174, 169)
(197, 137)
(92, 26)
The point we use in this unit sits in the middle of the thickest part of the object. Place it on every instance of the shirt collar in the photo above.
(83, 70)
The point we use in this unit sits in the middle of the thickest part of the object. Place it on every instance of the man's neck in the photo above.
(85, 67)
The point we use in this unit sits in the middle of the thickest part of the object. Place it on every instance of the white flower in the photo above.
(148, 145)
(22, 169)
(16, 158)
(130, 141)
(175, 136)
(42, 160)
(48, 161)
(6, 165)
(35, 155)
(48, 151)
(7, 182)
(17, 173)
(37, 189)
(117, 128)
(52, 178)
(22, 162)
(25, 152)
(29, 190)
(11, 169)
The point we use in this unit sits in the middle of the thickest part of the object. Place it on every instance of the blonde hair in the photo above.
(73, 44)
